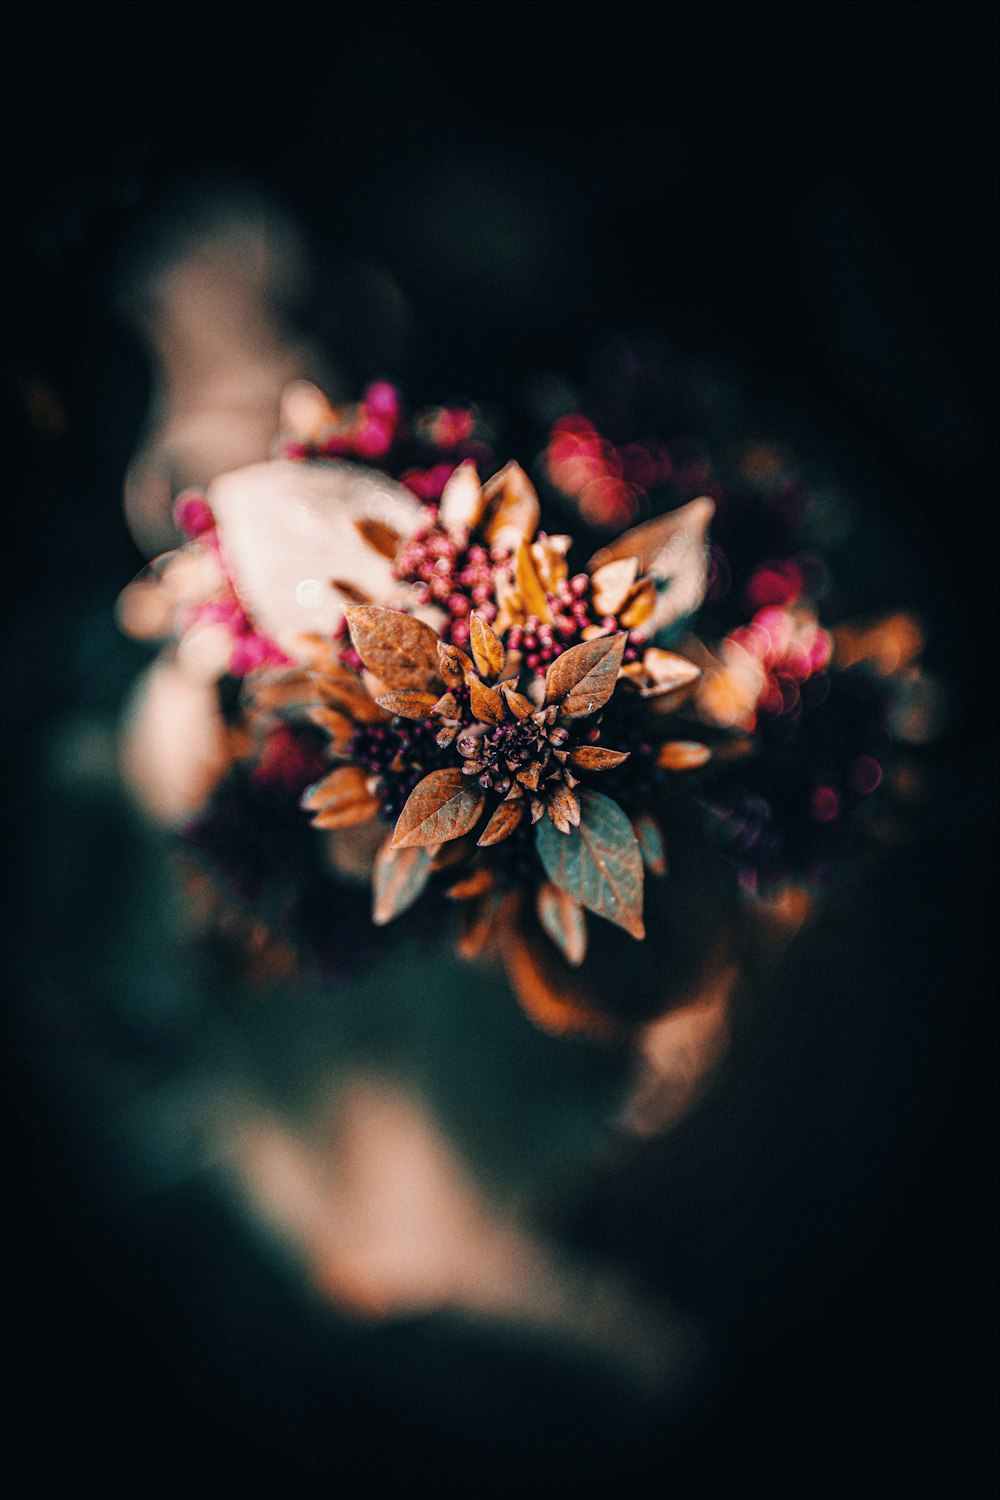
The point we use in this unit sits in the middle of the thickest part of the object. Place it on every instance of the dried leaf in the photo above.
(564, 809)
(512, 508)
(682, 755)
(502, 824)
(596, 757)
(350, 591)
(668, 671)
(398, 877)
(341, 799)
(337, 725)
(401, 651)
(380, 536)
(563, 920)
(453, 664)
(487, 704)
(441, 807)
(348, 695)
(520, 706)
(673, 549)
(639, 605)
(599, 863)
(529, 586)
(408, 703)
(610, 584)
(462, 500)
(487, 648)
(654, 855)
(547, 995)
(476, 883)
(583, 678)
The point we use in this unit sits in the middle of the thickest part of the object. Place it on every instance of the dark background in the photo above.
(803, 193)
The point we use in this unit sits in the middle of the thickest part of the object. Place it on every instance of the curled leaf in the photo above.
(408, 703)
(401, 651)
(520, 706)
(487, 648)
(487, 704)
(453, 664)
(502, 824)
(441, 807)
(563, 920)
(398, 877)
(596, 757)
(599, 863)
(583, 678)
(682, 755)
(341, 799)
(564, 809)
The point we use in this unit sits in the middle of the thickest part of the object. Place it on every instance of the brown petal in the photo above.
(441, 807)
(453, 664)
(512, 508)
(341, 799)
(408, 703)
(398, 877)
(596, 757)
(682, 755)
(582, 680)
(502, 824)
(610, 584)
(400, 650)
(487, 648)
(487, 704)
(563, 920)
(379, 536)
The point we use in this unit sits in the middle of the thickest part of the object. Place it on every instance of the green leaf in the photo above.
(441, 807)
(398, 877)
(599, 863)
(654, 855)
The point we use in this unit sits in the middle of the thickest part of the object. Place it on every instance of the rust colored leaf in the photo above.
(398, 877)
(599, 863)
(639, 605)
(582, 680)
(596, 757)
(337, 725)
(549, 997)
(408, 703)
(654, 855)
(476, 883)
(520, 706)
(682, 755)
(610, 584)
(487, 704)
(564, 809)
(512, 508)
(401, 651)
(563, 920)
(349, 696)
(529, 586)
(485, 919)
(502, 824)
(341, 799)
(487, 648)
(441, 807)
(350, 591)
(453, 664)
(379, 536)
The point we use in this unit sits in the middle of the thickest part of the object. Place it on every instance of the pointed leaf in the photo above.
(520, 706)
(596, 757)
(564, 809)
(563, 920)
(408, 703)
(502, 824)
(529, 586)
(512, 508)
(341, 799)
(462, 501)
(453, 664)
(682, 755)
(380, 536)
(401, 651)
(582, 680)
(441, 807)
(398, 877)
(654, 855)
(487, 648)
(487, 704)
(599, 863)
